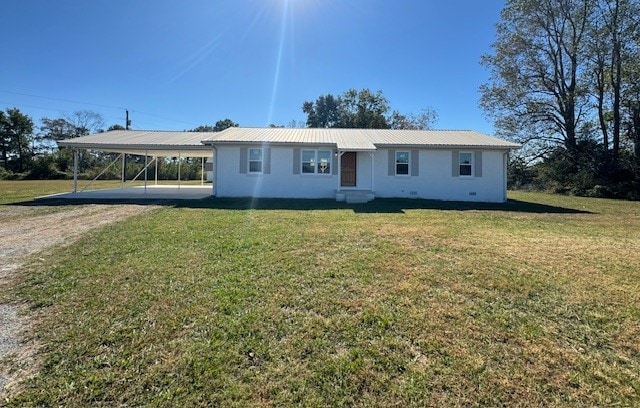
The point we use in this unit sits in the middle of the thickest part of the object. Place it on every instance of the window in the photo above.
(466, 164)
(402, 163)
(255, 160)
(316, 162)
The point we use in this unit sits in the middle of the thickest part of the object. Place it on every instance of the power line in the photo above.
(62, 100)
(90, 104)
(66, 112)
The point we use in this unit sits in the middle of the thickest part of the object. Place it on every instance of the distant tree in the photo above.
(271, 125)
(293, 123)
(86, 122)
(16, 136)
(324, 112)
(224, 124)
(218, 127)
(422, 121)
(362, 109)
(58, 129)
(115, 127)
(203, 128)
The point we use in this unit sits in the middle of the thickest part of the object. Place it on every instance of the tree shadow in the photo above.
(377, 206)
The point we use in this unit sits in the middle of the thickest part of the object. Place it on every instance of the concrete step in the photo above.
(356, 198)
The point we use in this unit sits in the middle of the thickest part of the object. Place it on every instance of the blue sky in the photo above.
(179, 64)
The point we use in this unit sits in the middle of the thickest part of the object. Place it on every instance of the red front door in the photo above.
(348, 169)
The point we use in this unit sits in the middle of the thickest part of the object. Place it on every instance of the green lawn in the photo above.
(395, 303)
(25, 190)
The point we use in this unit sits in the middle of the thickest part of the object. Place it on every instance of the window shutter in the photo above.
(243, 160)
(392, 162)
(296, 161)
(334, 163)
(455, 163)
(415, 162)
(266, 160)
(478, 163)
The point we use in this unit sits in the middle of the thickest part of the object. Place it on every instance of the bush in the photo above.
(5, 174)
(44, 168)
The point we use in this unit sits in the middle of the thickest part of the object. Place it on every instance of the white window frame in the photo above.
(470, 164)
(316, 162)
(408, 163)
(249, 161)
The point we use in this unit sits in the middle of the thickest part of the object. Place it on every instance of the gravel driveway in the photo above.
(25, 231)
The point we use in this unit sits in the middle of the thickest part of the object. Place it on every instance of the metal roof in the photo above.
(197, 144)
(152, 143)
(359, 139)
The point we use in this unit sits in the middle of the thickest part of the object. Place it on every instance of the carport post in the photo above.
(146, 158)
(124, 166)
(178, 170)
(202, 173)
(75, 170)
(156, 159)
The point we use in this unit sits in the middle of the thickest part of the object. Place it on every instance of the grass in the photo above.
(403, 303)
(26, 190)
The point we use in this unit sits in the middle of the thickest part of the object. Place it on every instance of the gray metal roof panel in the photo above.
(343, 139)
(359, 139)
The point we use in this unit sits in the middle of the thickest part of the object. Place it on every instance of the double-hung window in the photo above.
(402, 163)
(255, 160)
(316, 162)
(466, 164)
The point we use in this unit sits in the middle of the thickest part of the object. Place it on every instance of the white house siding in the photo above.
(280, 183)
(436, 181)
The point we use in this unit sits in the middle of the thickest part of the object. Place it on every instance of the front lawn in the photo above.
(531, 303)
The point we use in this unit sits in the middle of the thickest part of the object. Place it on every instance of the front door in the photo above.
(348, 169)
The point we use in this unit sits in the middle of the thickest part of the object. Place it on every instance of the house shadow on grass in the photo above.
(377, 206)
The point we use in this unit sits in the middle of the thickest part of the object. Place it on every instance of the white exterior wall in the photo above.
(436, 181)
(280, 183)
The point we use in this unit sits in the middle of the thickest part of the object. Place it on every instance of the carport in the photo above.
(152, 145)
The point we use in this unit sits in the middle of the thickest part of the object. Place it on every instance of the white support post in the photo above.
(156, 159)
(123, 177)
(75, 170)
(179, 170)
(145, 171)
(202, 173)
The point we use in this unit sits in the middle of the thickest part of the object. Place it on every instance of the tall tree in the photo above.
(538, 88)
(615, 24)
(16, 136)
(86, 122)
(224, 124)
(324, 112)
(218, 127)
(422, 121)
(362, 109)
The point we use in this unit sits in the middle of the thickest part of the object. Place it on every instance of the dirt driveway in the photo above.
(25, 231)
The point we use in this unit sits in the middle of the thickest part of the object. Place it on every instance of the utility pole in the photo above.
(128, 122)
